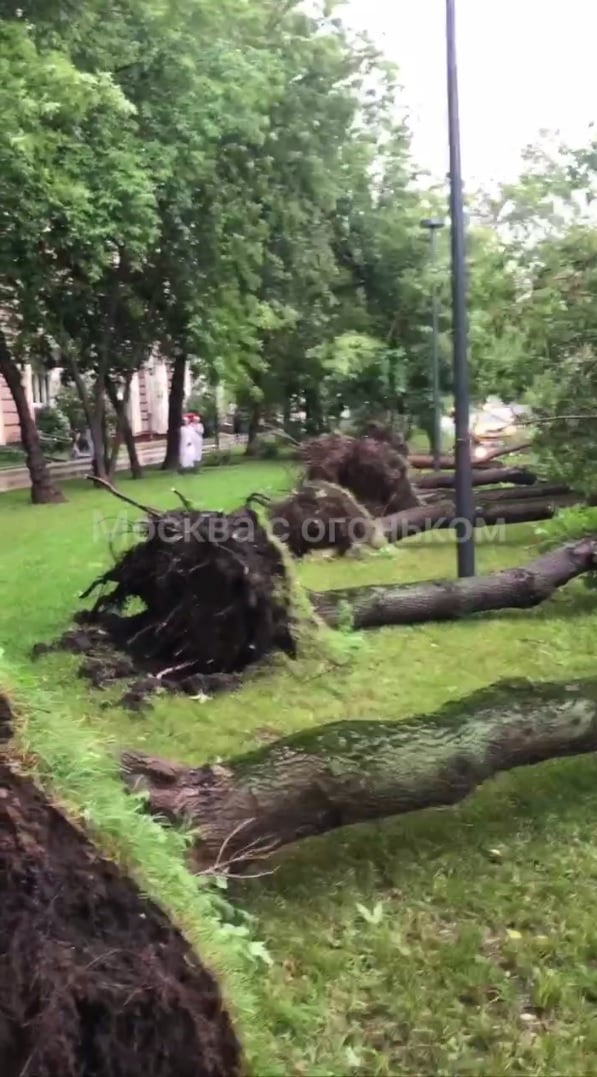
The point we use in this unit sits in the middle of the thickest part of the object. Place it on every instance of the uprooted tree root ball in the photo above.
(215, 597)
(380, 432)
(321, 515)
(94, 979)
(372, 469)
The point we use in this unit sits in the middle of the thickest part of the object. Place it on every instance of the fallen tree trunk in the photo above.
(442, 515)
(518, 476)
(512, 588)
(447, 463)
(508, 494)
(351, 772)
(540, 491)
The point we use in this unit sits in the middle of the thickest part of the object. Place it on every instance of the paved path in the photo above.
(150, 452)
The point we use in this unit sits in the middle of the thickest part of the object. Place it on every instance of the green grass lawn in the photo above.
(457, 941)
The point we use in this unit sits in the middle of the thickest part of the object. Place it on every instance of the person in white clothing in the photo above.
(186, 454)
(198, 432)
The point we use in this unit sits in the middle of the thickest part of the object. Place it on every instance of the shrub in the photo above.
(53, 427)
(67, 401)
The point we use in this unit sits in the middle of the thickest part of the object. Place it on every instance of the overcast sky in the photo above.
(524, 65)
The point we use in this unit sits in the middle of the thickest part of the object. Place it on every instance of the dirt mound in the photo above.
(318, 516)
(94, 980)
(373, 471)
(215, 599)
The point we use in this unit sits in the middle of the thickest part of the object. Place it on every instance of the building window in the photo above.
(40, 389)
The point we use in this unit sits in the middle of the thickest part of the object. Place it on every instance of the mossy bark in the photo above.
(354, 771)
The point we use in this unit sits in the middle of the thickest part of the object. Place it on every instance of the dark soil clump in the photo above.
(215, 599)
(371, 469)
(94, 979)
(318, 516)
(378, 432)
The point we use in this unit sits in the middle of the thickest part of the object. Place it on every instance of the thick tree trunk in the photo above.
(131, 448)
(175, 406)
(441, 514)
(353, 771)
(124, 429)
(43, 491)
(513, 588)
(93, 405)
(313, 416)
(253, 429)
(481, 477)
(447, 463)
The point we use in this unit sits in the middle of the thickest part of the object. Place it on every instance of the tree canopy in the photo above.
(232, 184)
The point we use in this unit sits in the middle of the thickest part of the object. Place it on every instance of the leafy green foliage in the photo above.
(562, 320)
(54, 427)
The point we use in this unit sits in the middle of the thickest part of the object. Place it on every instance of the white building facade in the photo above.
(148, 405)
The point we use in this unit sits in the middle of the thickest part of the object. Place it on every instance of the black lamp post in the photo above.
(465, 532)
(433, 226)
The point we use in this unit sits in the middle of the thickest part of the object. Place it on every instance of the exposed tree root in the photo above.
(321, 515)
(94, 979)
(215, 600)
(372, 470)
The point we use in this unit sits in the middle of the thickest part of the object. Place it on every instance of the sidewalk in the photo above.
(150, 452)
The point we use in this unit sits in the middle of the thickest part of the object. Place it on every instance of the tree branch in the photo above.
(154, 513)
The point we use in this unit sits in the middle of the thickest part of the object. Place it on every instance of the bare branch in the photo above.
(155, 513)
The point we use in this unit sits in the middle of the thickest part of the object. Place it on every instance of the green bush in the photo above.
(54, 428)
(67, 401)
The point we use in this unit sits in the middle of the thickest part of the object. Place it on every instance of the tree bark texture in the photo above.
(542, 490)
(481, 477)
(253, 429)
(441, 515)
(175, 406)
(43, 490)
(353, 771)
(447, 463)
(508, 494)
(92, 402)
(513, 588)
(124, 428)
